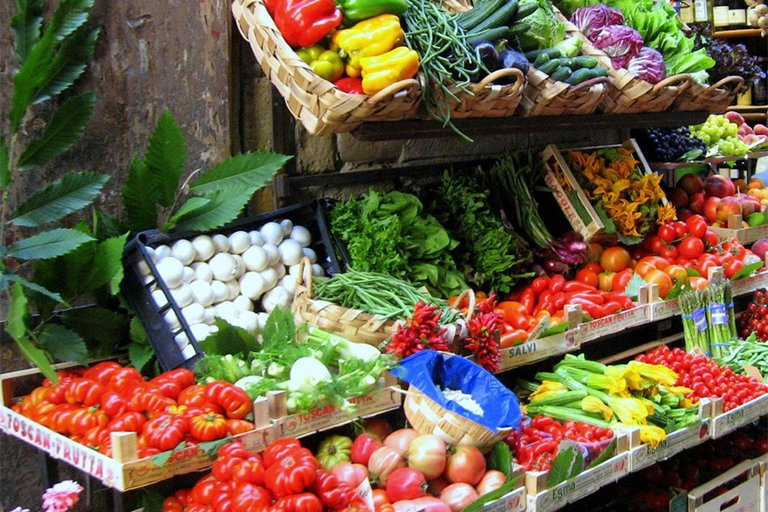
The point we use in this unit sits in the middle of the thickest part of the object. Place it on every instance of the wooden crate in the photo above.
(742, 234)
(743, 495)
(724, 423)
(125, 471)
(571, 198)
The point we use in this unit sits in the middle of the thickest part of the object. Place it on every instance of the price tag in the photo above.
(699, 318)
(365, 491)
(718, 314)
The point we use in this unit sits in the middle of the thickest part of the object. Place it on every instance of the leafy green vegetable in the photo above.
(389, 233)
(545, 31)
(500, 459)
(491, 256)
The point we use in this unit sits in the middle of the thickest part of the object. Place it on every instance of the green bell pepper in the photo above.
(358, 10)
(326, 63)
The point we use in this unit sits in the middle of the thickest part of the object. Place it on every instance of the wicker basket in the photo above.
(546, 97)
(628, 93)
(715, 98)
(317, 103)
(488, 99)
(354, 324)
(428, 417)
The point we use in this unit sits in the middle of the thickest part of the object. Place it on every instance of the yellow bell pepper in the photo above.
(368, 38)
(381, 71)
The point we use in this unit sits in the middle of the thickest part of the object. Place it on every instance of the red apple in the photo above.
(683, 213)
(726, 207)
(734, 117)
(691, 183)
(697, 202)
(760, 129)
(719, 186)
(710, 208)
(678, 197)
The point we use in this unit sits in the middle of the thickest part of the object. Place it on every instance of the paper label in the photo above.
(718, 314)
(365, 491)
(699, 318)
(537, 349)
(613, 324)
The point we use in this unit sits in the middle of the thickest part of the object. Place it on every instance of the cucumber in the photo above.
(499, 17)
(519, 27)
(549, 67)
(542, 59)
(552, 53)
(488, 34)
(561, 74)
(469, 19)
(581, 62)
(584, 74)
(526, 9)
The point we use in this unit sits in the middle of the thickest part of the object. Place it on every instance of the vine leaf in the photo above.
(165, 157)
(64, 196)
(63, 344)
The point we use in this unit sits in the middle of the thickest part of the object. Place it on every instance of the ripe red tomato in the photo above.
(587, 276)
(466, 464)
(661, 279)
(400, 440)
(491, 481)
(351, 473)
(383, 462)
(204, 490)
(406, 484)
(691, 247)
(667, 233)
(680, 228)
(615, 259)
(427, 454)
(458, 496)
(208, 426)
(363, 446)
(621, 280)
(697, 226)
(732, 267)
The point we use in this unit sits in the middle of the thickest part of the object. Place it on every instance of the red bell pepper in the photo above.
(305, 22)
(350, 85)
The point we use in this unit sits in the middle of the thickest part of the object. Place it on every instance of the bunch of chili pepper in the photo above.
(285, 477)
(536, 446)
(419, 332)
(483, 334)
(88, 405)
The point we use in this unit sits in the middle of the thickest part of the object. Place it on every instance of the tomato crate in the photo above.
(726, 422)
(539, 348)
(124, 471)
(571, 197)
(513, 501)
(743, 491)
(616, 323)
(170, 332)
(642, 455)
(543, 499)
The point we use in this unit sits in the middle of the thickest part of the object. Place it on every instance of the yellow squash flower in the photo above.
(546, 389)
(652, 435)
(656, 372)
(593, 404)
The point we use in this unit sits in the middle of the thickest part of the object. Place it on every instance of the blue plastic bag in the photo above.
(430, 372)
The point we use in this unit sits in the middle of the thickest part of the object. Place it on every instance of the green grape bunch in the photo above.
(721, 136)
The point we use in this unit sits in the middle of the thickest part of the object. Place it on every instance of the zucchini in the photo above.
(526, 9)
(469, 19)
(542, 59)
(549, 67)
(580, 62)
(563, 398)
(499, 17)
(519, 27)
(552, 53)
(488, 34)
(561, 74)
(584, 74)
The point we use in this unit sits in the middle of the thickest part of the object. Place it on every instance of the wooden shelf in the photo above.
(749, 108)
(734, 34)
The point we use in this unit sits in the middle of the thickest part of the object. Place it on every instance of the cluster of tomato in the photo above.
(691, 244)
(285, 477)
(536, 445)
(89, 404)
(755, 317)
(705, 377)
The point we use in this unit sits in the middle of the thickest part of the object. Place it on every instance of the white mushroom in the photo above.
(184, 251)
(272, 233)
(290, 252)
(239, 242)
(301, 235)
(252, 285)
(223, 266)
(204, 247)
(171, 271)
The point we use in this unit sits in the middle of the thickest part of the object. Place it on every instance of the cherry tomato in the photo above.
(691, 247)
(697, 226)
(733, 267)
(710, 238)
(680, 228)
(667, 233)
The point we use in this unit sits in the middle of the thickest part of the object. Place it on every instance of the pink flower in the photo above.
(61, 497)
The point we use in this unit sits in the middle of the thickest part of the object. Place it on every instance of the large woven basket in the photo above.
(320, 107)
(427, 417)
(354, 324)
(715, 98)
(628, 93)
(488, 99)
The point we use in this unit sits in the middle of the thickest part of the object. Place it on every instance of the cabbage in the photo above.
(591, 20)
(545, 31)
(620, 43)
(648, 65)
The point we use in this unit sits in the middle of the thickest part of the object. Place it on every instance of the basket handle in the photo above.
(734, 83)
(683, 79)
(393, 89)
(305, 265)
(586, 84)
(501, 73)
(472, 302)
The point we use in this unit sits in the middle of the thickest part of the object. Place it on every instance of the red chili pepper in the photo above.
(587, 306)
(556, 283)
(597, 298)
(528, 300)
(578, 286)
(558, 300)
(540, 284)
(609, 308)
(350, 85)
(544, 302)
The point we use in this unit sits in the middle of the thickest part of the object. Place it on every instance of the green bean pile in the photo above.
(379, 294)
(745, 352)
(447, 59)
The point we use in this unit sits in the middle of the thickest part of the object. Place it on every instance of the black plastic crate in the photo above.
(138, 289)
(338, 246)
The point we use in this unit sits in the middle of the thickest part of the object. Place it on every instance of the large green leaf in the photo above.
(140, 351)
(568, 463)
(229, 339)
(16, 323)
(104, 326)
(68, 64)
(224, 206)
(26, 26)
(13, 278)
(62, 131)
(165, 157)
(48, 244)
(107, 264)
(141, 194)
(63, 344)
(245, 171)
(5, 170)
(47, 58)
(65, 196)
(190, 205)
(37, 357)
